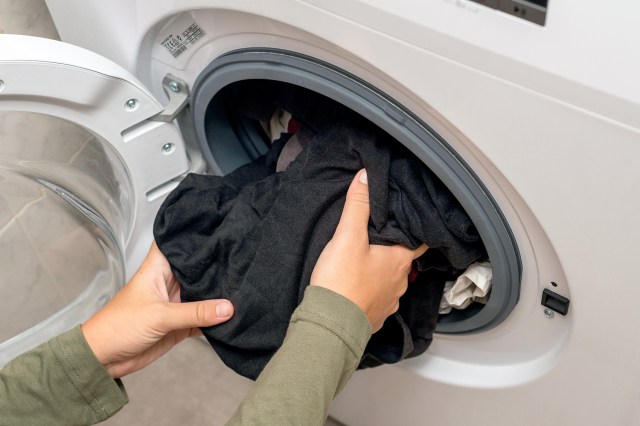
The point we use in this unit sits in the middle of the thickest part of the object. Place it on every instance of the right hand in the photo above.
(373, 277)
(146, 319)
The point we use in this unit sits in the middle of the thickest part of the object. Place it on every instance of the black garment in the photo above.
(408, 332)
(254, 237)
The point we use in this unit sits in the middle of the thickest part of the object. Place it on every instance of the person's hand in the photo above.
(146, 319)
(371, 276)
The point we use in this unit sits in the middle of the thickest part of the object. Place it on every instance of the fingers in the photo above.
(355, 214)
(204, 313)
(155, 257)
(155, 263)
(403, 252)
(420, 251)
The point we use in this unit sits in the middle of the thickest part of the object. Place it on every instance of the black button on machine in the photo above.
(555, 302)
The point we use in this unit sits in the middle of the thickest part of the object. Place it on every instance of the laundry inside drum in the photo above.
(258, 114)
(248, 118)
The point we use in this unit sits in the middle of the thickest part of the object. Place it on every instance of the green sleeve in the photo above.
(324, 343)
(59, 382)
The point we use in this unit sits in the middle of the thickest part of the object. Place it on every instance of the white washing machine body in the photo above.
(547, 117)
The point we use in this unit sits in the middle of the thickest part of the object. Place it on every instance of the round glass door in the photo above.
(65, 210)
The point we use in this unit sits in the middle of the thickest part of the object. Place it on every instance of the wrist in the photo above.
(92, 337)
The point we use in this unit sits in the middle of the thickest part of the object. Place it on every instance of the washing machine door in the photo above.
(86, 155)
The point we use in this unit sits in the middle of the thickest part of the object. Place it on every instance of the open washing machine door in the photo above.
(77, 203)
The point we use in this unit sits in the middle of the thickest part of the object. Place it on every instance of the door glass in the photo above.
(65, 210)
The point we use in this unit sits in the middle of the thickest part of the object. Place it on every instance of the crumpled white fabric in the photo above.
(473, 285)
(278, 124)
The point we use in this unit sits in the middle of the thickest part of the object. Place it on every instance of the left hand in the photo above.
(146, 319)
(373, 277)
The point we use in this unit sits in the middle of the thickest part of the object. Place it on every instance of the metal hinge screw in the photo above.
(168, 148)
(131, 104)
(174, 86)
(549, 313)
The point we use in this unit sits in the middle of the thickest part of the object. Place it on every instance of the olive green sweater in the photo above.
(61, 381)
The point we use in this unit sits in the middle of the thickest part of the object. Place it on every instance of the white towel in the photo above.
(472, 286)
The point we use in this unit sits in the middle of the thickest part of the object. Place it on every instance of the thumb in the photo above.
(204, 313)
(355, 214)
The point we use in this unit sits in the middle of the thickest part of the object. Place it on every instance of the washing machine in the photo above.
(527, 110)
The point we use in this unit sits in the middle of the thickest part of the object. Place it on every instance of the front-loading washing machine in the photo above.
(528, 111)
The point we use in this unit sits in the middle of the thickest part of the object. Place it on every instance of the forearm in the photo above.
(323, 346)
(59, 382)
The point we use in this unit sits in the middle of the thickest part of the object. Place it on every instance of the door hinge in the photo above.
(178, 93)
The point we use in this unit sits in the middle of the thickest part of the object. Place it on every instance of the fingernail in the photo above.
(223, 309)
(363, 178)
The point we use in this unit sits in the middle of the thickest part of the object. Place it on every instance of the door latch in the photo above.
(555, 302)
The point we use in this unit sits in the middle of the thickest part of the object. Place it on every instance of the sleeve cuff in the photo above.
(336, 313)
(90, 379)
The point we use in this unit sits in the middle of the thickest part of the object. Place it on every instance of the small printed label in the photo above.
(183, 33)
